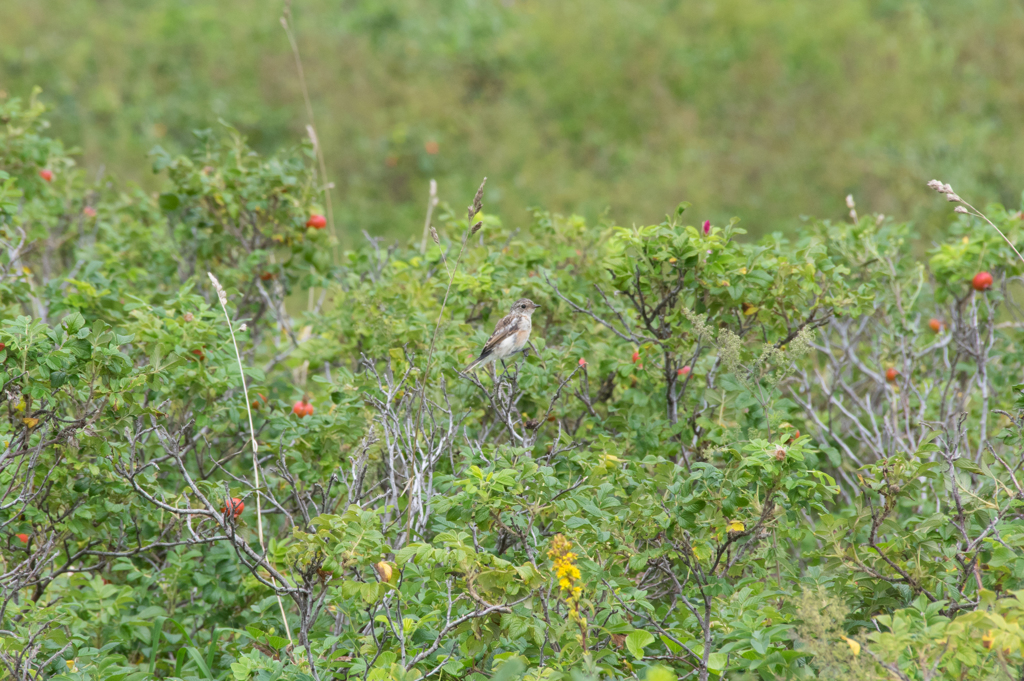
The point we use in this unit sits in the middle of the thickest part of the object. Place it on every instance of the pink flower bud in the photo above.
(707, 227)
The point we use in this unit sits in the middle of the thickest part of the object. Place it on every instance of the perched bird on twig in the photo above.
(510, 335)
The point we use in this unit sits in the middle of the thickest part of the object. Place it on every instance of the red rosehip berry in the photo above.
(636, 356)
(23, 537)
(235, 507)
(583, 362)
(46, 175)
(982, 281)
(431, 147)
(316, 221)
(685, 371)
(935, 325)
(302, 409)
(891, 374)
(89, 211)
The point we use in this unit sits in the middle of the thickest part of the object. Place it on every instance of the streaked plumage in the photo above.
(510, 335)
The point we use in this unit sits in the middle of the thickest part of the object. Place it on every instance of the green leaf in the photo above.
(255, 632)
(659, 673)
(169, 202)
(967, 465)
(278, 642)
(636, 641)
(369, 591)
(197, 657)
(154, 642)
(212, 651)
(513, 669)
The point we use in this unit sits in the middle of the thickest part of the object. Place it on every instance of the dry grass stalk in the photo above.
(223, 298)
(311, 126)
(967, 209)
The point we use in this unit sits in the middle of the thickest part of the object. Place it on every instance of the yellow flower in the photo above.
(568, 575)
(565, 568)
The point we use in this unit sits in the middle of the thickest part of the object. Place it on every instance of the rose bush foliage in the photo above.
(782, 510)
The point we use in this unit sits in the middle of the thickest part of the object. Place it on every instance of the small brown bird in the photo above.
(510, 335)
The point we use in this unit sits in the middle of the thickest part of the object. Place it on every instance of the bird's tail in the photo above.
(482, 359)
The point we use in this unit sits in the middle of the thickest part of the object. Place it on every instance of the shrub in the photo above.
(781, 510)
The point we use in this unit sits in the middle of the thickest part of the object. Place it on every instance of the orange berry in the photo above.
(982, 281)
(236, 507)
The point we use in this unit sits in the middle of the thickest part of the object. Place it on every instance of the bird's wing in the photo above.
(508, 326)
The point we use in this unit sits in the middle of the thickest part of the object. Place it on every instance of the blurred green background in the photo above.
(764, 109)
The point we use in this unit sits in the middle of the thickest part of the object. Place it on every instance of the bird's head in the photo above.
(524, 306)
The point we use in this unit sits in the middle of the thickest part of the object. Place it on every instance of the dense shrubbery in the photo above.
(704, 467)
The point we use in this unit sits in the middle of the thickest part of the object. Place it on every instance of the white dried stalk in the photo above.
(223, 297)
